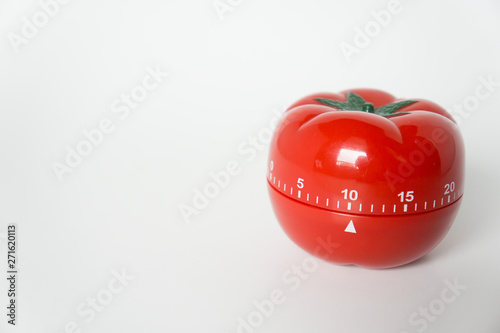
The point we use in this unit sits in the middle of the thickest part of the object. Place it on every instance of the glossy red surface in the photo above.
(398, 176)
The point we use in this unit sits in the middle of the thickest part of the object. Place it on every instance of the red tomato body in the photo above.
(359, 188)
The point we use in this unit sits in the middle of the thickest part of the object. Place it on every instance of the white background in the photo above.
(118, 210)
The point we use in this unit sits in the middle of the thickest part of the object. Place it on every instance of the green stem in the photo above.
(368, 107)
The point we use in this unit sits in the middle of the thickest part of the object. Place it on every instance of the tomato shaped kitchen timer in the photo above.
(363, 178)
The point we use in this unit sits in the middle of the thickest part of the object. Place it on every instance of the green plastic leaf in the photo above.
(355, 102)
(394, 114)
(331, 102)
(393, 107)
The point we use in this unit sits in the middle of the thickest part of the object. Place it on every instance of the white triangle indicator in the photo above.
(350, 228)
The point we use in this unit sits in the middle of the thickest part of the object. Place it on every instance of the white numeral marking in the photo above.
(448, 188)
(352, 195)
(406, 196)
